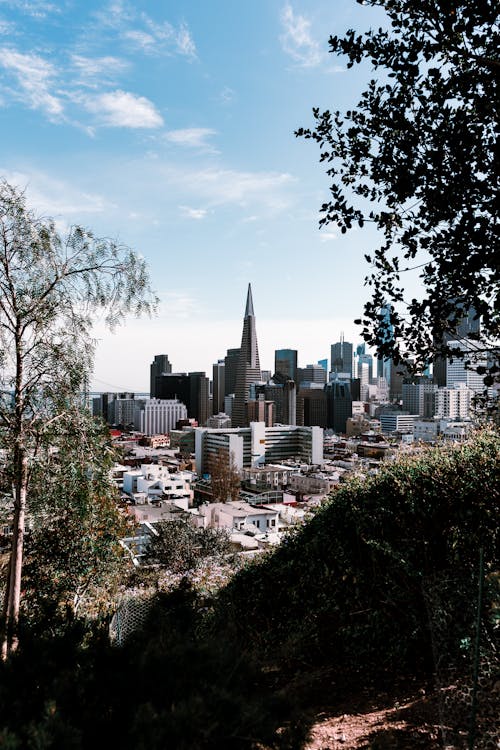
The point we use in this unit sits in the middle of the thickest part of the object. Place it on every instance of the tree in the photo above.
(224, 477)
(181, 547)
(416, 157)
(73, 547)
(50, 290)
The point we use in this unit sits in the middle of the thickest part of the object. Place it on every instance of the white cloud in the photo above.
(56, 198)
(6, 27)
(192, 137)
(227, 186)
(193, 213)
(297, 40)
(122, 109)
(34, 76)
(145, 34)
(327, 235)
(184, 41)
(93, 70)
(141, 39)
(35, 8)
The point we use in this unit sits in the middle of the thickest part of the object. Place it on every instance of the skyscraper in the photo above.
(285, 362)
(248, 369)
(218, 388)
(341, 357)
(159, 366)
(230, 369)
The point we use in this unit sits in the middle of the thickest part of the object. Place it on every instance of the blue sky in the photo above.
(170, 125)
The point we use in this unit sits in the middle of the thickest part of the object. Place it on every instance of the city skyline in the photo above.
(160, 127)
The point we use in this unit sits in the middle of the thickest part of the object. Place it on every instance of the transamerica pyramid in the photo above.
(248, 368)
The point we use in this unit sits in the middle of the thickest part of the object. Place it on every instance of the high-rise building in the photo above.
(159, 365)
(465, 331)
(160, 416)
(462, 368)
(362, 358)
(285, 362)
(341, 357)
(339, 404)
(414, 397)
(191, 389)
(261, 410)
(230, 370)
(248, 370)
(218, 386)
(311, 374)
(312, 410)
(324, 364)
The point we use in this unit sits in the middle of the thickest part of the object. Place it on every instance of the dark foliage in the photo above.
(348, 589)
(417, 157)
(181, 547)
(167, 687)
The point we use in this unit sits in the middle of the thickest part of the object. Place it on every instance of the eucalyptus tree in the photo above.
(417, 158)
(51, 289)
(73, 558)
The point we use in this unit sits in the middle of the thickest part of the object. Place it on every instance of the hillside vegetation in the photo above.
(351, 595)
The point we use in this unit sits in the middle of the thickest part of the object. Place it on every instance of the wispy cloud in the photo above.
(124, 110)
(6, 27)
(34, 77)
(297, 39)
(34, 8)
(191, 137)
(213, 186)
(49, 196)
(180, 304)
(147, 35)
(93, 71)
(327, 235)
(193, 213)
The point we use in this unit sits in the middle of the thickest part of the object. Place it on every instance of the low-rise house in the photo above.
(158, 483)
(239, 516)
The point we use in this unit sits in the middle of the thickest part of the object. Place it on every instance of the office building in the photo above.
(341, 357)
(311, 374)
(159, 416)
(257, 445)
(192, 389)
(159, 366)
(282, 391)
(414, 397)
(218, 386)
(285, 363)
(339, 404)
(397, 421)
(261, 410)
(230, 370)
(248, 369)
(312, 408)
(463, 334)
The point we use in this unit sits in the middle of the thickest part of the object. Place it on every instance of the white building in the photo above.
(456, 371)
(395, 421)
(155, 483)
(426, 430)
(454, 403)
(257, 445)
(159, 416)
(219, 421)
(238, 516)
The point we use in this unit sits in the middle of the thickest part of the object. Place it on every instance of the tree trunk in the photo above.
(13, 593)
